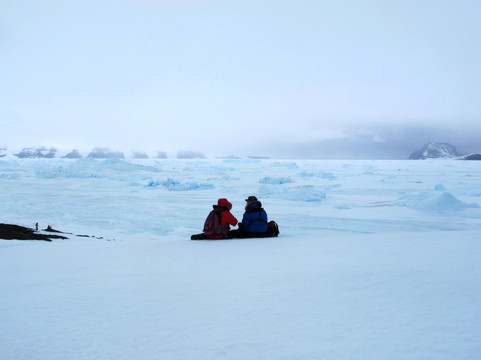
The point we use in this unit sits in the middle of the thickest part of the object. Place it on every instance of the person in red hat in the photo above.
(218, 222)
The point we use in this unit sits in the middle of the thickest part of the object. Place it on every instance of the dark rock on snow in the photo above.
(16, 232)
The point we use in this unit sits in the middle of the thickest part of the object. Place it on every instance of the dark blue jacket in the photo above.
(255, 218)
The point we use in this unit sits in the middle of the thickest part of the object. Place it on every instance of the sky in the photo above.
(314, 79)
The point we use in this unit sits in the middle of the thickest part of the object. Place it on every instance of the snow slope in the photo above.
(375, 260)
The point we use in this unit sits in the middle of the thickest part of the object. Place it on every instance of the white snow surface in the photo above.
(375, 260)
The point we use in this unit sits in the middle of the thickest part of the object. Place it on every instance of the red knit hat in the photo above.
(224, 202)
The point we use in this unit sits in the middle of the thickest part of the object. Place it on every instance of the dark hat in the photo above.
(251, 198)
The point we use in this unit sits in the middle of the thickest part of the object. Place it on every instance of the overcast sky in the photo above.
(274, 78)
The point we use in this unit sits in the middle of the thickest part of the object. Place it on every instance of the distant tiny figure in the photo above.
(218, 222)
(36, 226)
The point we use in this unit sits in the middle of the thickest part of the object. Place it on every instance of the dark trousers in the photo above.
(241, 234)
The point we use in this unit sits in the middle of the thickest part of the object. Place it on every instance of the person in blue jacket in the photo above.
(254, 221)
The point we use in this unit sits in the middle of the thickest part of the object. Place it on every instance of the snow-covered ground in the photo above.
(375, 260)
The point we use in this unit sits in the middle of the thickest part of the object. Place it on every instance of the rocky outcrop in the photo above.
(74, 154)
(42, 152)
(435, 151)
(472, 157)
(190, 155)
(105, 153)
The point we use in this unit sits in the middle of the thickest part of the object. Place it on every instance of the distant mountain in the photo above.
(105, 153)
(161, 155)
(258, 157)
(435, 151)
(190, 155)
(228, 157)
(74, 154)
(139, 155)
(471, 157)
(45, 152)
(42, 152)
(441, 151)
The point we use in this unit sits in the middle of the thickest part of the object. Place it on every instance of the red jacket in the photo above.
(226, 220)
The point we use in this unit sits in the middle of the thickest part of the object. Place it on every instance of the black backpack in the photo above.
(272, 229)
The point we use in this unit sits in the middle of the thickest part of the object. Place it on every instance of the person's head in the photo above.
(251, 200)
(224, 203)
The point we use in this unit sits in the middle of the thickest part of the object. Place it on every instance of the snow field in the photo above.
(363, 272)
